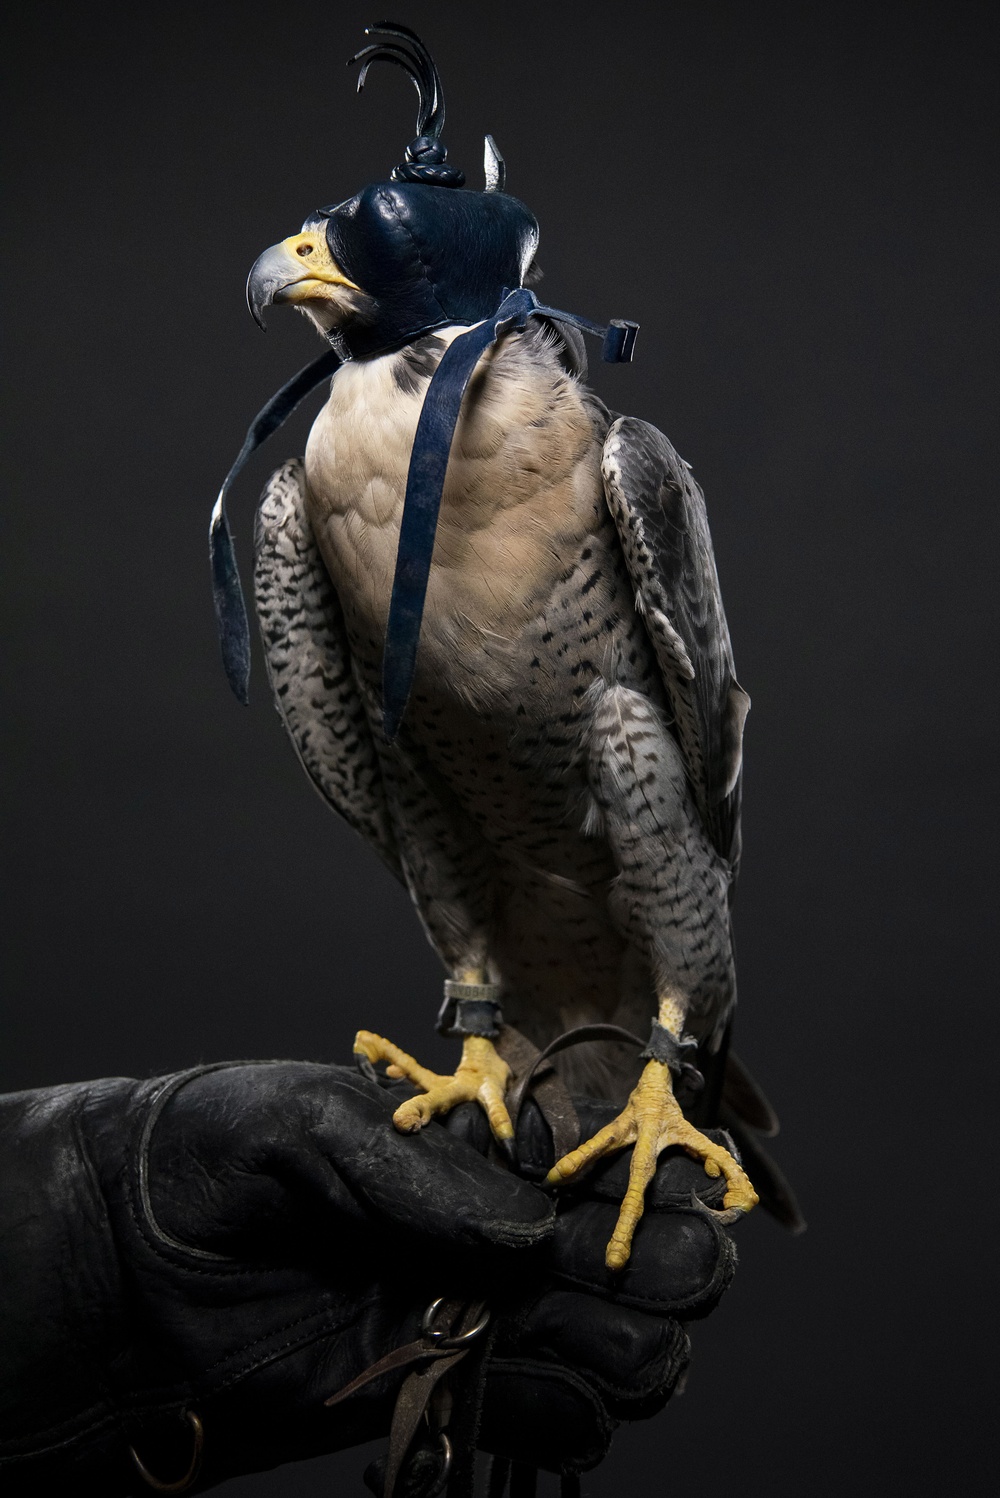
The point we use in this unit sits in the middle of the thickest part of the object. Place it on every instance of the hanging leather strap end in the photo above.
(230, 608)
(619, 341)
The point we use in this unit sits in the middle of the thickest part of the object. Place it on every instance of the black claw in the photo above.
(364, 1066)
(725, 1218)
(508, 1149)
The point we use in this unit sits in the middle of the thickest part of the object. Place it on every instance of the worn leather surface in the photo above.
(245, 1240)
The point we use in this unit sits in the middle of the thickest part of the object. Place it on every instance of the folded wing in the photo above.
(309, 664)
(659, 512)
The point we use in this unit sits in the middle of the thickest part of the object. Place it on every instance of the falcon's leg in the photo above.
(449, 871)
(652, 1121)
(670, 901)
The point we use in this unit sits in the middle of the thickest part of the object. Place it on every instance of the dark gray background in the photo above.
(798, 204)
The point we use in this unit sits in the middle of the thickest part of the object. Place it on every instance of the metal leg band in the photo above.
(470, 1009)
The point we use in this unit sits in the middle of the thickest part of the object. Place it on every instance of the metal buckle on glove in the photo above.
(442, 1339)
(440, 1350)
(194, 1466)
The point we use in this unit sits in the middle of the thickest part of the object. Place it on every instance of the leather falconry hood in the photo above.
(428, 253)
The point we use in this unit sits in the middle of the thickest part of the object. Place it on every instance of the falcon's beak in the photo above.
(298, 269)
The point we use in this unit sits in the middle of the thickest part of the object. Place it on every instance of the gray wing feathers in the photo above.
(309, 664)
(660, 515)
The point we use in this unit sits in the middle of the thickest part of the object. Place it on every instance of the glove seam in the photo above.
(110, 1400)
(292, 1344)
(9, 1448)
(712, 1292)
(650, 1379)
(107, 1409)
(145, 1219)
(204, 1385)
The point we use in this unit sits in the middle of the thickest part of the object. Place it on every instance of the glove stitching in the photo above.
(640, 1302)
(118, 1418)
(109, 1400)
(153, 1235)
(18, 1449)
(425, 269)
(291, 1345)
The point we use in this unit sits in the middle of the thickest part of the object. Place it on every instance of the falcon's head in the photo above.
(402, 257)
(375, 272)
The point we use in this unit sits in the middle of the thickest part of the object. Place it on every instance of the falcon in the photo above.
(494, 632)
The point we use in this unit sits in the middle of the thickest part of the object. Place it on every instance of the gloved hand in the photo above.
(588, 1347)
(243, 1241)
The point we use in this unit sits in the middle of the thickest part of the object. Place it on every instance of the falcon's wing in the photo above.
(309, 664)
(663, 528)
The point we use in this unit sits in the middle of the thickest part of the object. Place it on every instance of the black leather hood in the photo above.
(427, 256)
(425, 250)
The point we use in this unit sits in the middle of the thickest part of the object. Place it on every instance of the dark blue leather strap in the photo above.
(422, 501)
(230, 608)
(618, 337)
(425, 479)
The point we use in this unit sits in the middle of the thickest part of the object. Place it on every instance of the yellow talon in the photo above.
(652, 1121)
(481, 1076)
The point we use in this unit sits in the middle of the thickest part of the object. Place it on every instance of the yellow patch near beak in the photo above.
(310, 252)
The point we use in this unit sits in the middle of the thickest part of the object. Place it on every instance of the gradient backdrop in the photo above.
(798, 204)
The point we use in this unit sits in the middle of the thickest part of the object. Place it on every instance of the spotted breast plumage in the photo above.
(561, 793)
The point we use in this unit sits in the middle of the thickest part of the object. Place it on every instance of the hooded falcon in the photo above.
(494, 633)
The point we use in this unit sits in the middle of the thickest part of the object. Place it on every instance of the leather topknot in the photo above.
(425, 156)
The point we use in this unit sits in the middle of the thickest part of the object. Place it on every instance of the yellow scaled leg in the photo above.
(652, 1121)
(481, 1077)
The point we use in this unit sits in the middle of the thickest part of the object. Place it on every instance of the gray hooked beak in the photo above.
(295, 270)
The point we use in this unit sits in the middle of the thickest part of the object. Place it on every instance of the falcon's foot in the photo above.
(652, 1121)
(481, 1077)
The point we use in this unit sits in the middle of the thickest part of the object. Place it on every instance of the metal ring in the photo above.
(445, 1472)
(447, 1453)
(426, 1326)
(194, 1466)
(443, 1339)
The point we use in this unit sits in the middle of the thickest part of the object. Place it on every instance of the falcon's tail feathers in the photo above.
(742, 1097)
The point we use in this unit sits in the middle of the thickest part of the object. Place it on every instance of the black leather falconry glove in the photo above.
(192, 1266)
